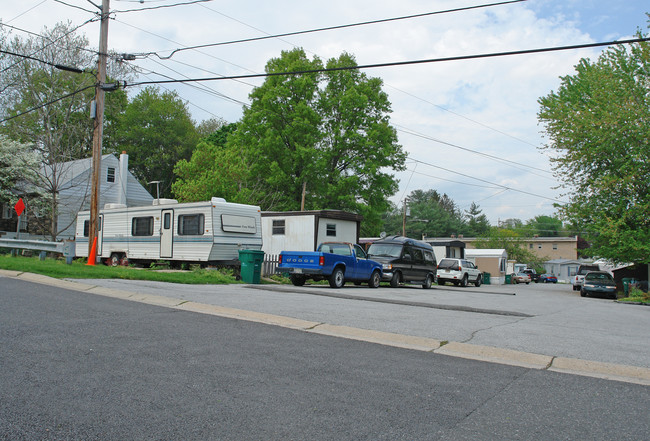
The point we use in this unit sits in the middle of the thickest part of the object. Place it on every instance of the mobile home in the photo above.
(209, 232)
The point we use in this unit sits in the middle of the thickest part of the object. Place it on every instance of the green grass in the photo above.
(637, 296)
(79, 270)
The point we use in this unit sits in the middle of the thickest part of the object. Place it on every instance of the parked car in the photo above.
(404, 260)
(532, 273)
(336, 262)
(546, 278)
(521, 278)
(598, 282)
(459, 272)
(576, 281)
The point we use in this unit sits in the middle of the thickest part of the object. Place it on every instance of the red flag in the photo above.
(20, 206)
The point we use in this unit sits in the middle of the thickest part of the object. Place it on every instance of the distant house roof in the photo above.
(485, 252)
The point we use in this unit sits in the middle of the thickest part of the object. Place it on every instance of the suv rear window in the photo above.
(584, 269)
(448, 263)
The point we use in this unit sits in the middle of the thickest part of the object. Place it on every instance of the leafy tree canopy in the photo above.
(319, 140)
(597, 125)
(156, 130)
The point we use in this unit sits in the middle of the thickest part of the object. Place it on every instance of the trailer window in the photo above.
(190, 224)
(278, 227)
(87, 226)
(330, 230)
(142, 226)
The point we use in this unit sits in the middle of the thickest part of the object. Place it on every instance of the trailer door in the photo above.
(166, 233)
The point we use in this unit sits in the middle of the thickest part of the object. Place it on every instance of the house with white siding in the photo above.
(116, 186)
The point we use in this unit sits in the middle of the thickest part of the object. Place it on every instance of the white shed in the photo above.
(305, 230)
(493, 261)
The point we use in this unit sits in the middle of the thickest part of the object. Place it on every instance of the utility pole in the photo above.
(98, 126)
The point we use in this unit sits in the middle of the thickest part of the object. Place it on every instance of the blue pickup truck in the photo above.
(337, 262)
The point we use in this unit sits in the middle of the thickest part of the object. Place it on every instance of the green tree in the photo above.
(476, 223)
(598, 130)
(18, 162)
(546, 226)
(201, 177)
(156, 130)
(49, 108)
(319, 140)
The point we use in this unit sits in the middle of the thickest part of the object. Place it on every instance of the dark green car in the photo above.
(598, 282)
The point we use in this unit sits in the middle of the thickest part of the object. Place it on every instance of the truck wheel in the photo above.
(428, 282)
(394, 281)
(337, 278)
(297, 280)
(375, 278)
(479, 280)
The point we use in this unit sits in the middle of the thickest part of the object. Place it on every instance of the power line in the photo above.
(487, 182)
(329, 28)
(161, 6)
(411, 62)
(495, 158)
(48, 103)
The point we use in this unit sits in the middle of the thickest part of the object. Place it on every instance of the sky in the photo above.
(469, 127)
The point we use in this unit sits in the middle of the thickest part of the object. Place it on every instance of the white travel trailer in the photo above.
(209, 232)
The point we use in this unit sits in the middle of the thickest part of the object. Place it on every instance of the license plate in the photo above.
(446, 270)
(297, 270)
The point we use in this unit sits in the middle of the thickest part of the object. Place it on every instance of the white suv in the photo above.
(459, 272)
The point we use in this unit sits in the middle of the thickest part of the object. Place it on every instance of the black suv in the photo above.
(404, 260)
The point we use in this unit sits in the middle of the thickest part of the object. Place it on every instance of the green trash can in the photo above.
(508, 279)
(251, 265)
(626, 285)
(486, 278)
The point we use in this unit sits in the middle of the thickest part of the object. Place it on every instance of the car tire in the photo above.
(337, 278)
(583, 293)
(297, 280)
(463, 281)
(375, 278)
(394, 281)
(478, 282)
(428, 282)
(441, 282)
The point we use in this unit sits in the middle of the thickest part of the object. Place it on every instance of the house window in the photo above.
(6, 212)
(190, 224)
(110, 174)
(142, 226)
(555, 246)
(530, 246)
(278, 227)
(331, 230)
(539, 246)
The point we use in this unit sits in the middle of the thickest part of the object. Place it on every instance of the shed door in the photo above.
(166, 233)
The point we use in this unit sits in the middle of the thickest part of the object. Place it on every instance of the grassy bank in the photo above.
(79, 270)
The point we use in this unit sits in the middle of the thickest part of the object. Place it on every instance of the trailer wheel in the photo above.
(115, 259)
(337, 278)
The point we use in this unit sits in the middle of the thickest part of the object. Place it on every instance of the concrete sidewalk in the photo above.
(444, 320)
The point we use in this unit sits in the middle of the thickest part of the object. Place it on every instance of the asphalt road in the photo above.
(82, 366)
(543, 319)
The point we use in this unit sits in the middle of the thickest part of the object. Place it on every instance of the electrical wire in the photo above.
(410, 62)
(384, 20)
(487, 182)
(162, 6)
(48, 103)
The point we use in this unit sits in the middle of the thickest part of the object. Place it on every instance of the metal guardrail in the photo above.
(65, 248)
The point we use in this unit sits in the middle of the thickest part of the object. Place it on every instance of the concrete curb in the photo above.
(607, 371)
